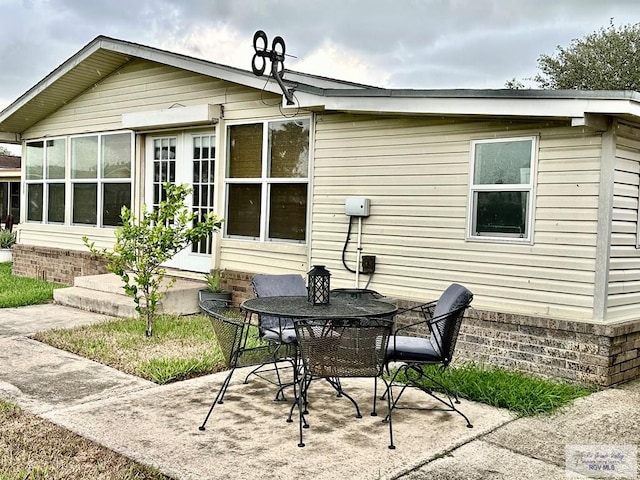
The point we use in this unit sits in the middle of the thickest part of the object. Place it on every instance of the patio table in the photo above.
(338, 307)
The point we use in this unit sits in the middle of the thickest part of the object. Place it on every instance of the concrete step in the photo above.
(104, 294)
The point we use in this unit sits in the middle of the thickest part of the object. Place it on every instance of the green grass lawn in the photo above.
(21, 291)
(180, 348)
(524, 395)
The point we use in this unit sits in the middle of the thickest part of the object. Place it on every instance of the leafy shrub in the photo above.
(7, 238)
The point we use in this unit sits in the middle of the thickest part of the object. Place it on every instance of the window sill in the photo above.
(505, 240)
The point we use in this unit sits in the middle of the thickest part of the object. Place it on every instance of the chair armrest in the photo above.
(427, 311)
(220, 310)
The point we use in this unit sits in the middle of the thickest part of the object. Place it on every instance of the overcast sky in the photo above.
(387, 43)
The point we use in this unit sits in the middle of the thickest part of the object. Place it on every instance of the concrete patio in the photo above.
(248, 437)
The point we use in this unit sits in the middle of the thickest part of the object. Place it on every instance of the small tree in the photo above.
(143, 244)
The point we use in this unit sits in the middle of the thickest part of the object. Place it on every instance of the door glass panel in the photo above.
(164, 166)
(202, 182)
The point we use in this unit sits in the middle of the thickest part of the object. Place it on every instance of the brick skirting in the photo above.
(54, 264)
(592, 353)
(584, 352)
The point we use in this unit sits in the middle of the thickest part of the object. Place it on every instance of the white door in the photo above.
(184, 157)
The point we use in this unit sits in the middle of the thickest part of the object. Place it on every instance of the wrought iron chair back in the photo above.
(267, 285)
(335, 348)
(232, 333)
(444, 319)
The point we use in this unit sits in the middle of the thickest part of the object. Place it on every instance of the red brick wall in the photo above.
(54, 264)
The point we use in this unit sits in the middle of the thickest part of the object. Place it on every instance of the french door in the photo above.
(184, 157)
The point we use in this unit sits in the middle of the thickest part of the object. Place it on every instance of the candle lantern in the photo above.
(318, 288)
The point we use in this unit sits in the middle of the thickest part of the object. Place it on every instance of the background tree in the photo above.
(608, 59)
(5, 151)
(144, 243)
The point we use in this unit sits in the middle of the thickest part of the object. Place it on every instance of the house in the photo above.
(529, 198)
(9, 188)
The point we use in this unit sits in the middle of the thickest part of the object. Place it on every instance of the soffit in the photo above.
(56, 90)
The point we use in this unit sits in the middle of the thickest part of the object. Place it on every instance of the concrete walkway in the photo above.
(248, 437)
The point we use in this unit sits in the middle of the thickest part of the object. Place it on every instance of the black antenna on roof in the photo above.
(276, 55)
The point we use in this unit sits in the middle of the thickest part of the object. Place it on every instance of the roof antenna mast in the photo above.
(276, 55)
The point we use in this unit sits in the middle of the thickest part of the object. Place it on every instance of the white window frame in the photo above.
(520, 187)
(45, 181)
(100, 180)
(68, 181)
(265, 181)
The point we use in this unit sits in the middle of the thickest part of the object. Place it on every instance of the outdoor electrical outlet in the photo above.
(368, 263)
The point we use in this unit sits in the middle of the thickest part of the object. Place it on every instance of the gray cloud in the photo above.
(410, 43)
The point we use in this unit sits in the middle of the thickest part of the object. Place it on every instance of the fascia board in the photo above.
(527, 107)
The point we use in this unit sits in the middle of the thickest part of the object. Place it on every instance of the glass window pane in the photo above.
(243, 211)
(84, 157)
(55, 205)
(85, 203)
(116, 155)
(289, 149)
(115, 196)
(196, 148)
(56, 150)
(34, 202)
(288, 207)
(14, 201)
(4, 201)
(34, 161)
(245, 151)
(501, 213)
(502, 163)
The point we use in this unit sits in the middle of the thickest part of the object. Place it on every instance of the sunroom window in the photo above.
(85, 184)
(501, 189)
(267, 180)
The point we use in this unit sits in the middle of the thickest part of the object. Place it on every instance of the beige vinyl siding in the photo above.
(415, 171)
(624, 275)
(144, 86)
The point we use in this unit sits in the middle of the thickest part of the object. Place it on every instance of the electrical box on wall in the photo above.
(357, 206)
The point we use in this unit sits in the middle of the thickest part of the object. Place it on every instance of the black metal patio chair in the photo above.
(277, 330)
(232, 333)
(331, 349)
(443, 319)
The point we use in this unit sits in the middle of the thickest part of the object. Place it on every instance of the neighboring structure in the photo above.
(9, 188)
(529, 198)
